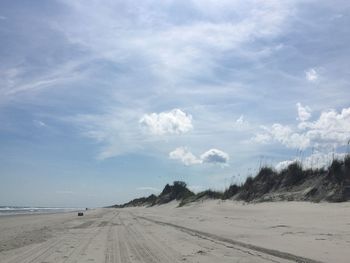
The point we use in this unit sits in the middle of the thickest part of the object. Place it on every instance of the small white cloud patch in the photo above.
(173, 122)
(311, 75)
(39, 123)
(184, 155)
(240, 120)
(304, 113)
(213, 156)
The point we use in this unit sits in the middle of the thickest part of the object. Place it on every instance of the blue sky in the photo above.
(101, 102)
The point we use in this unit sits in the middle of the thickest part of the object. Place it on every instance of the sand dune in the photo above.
(211, 231)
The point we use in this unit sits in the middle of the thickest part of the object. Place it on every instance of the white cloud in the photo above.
(214, 156)
(173, 122)
(284, 164)
(331, 129)
(304, 113)
(284, 135)
(320, 159)
(311, 75)
(240, 120)
(149, 31)
(116, 130)
(262, 137)
(185, 156)
(15, 80)
(316, 160)
(241, 123)
(39, 123)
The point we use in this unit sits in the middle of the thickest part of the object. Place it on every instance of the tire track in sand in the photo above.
(213, 237)
(142, 246)
(74, 243)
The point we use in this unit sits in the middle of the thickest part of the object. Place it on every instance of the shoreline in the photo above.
(36, 213)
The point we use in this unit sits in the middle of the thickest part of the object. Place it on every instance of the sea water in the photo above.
(19, 210)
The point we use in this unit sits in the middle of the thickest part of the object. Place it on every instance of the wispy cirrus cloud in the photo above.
(174, 52)
(116, 131)
(19, 80)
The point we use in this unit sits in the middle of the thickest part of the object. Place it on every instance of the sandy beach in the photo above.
(211, 231)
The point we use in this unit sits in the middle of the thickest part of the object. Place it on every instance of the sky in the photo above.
(104, 101)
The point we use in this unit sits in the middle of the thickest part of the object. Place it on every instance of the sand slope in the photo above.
(207, 232)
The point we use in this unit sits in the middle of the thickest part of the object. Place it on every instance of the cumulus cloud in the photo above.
(331, 129)
(311, 75)
(185, 156)
(304, 113)
(172, 122)
(320, 159)
(284, 135)
(316, 160)
(213, 156)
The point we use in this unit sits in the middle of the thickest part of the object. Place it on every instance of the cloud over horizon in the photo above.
(316, 160)
(331, 129)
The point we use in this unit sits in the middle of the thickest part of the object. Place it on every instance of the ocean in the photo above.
(22, 210)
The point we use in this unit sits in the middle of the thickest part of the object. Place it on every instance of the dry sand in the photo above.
(212, 231)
